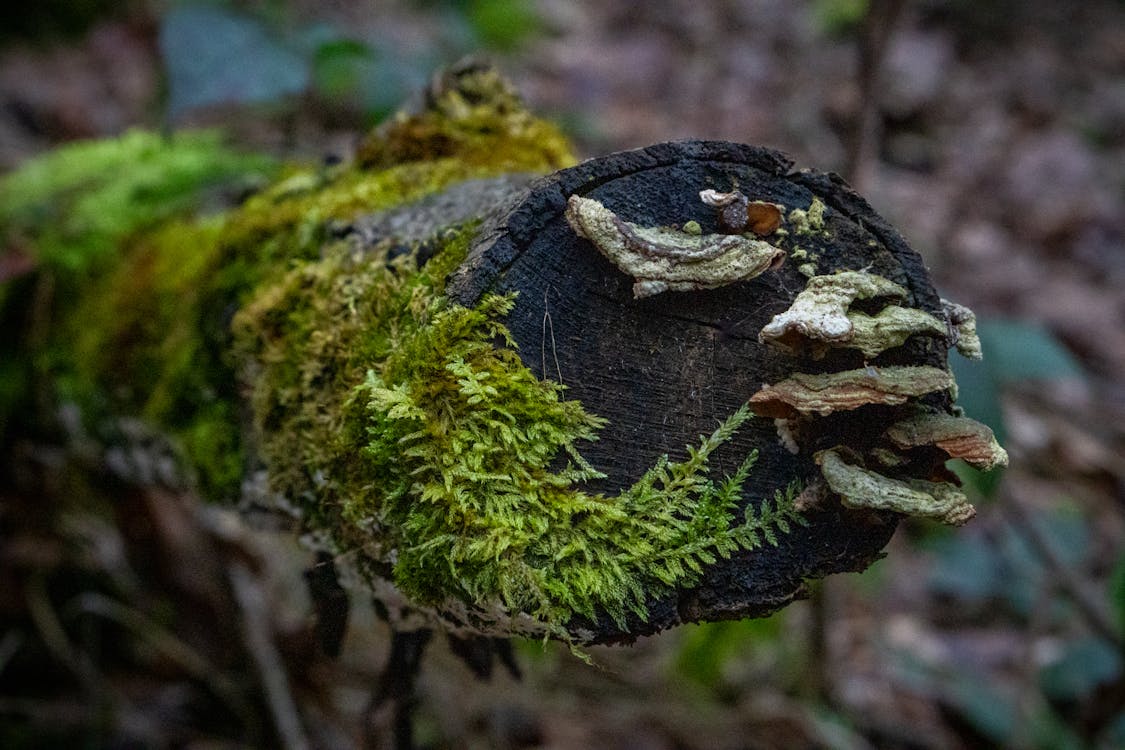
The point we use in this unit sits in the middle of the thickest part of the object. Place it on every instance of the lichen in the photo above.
(823, 394)
(663, 259)
(860, 488)
(808, 221)
(808, 270)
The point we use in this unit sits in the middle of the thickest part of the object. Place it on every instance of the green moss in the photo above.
(75, 205)
(144, 329)
(467, 444)
(474, 115)
(418, 439)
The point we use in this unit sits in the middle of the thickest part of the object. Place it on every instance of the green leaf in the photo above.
(991, 712)
(339, 67)
(502, 24)
(1017, 350)
(1117, 591)
(839, 18)
(966, 567)
(1014, 351)
(1082, 666)
(978, 391)
(707, 648)
(216, 56)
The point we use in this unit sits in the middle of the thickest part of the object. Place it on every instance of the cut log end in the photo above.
(670, 367)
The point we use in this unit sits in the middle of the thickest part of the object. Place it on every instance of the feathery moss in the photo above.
(412, 428)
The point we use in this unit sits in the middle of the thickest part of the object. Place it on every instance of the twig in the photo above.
(258, 638)
(330, 603)
(548, 324)
(163, 642)
(54, 636)
(1090, 605)
(394, 699)
(9, 647)
(866, 131)
(818, 674)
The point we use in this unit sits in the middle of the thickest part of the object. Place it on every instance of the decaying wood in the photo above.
(667, 368)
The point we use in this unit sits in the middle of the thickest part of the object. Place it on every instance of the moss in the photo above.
(474, 115)
(75, 205)
(419, 440)
(144, 329)
(131, 343)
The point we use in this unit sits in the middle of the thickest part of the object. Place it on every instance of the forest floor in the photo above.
(995, 143)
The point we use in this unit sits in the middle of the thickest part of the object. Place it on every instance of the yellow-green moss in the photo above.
(72, 207)
(144, 329)
(474, 115)
(414, 437)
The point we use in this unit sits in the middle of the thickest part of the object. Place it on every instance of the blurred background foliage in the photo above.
(1008, 633)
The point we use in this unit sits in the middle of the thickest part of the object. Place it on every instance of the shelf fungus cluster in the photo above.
(902, 468)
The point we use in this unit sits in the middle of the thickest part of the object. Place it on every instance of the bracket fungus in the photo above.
(662, 259)
(822, 394)
(820, 317)
(890, 328)
(963, 329)
(858, 487)
(959, 437)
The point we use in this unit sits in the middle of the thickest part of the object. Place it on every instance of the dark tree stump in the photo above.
(665, 369)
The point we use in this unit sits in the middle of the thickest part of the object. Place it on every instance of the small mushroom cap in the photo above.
(763, 218)
(803, 393)
(720, 200)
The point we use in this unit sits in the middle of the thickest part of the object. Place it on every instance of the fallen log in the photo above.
(652, 388)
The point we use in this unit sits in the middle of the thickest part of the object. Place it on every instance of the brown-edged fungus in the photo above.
(807, 394)
(861, 488)
(959, 437)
